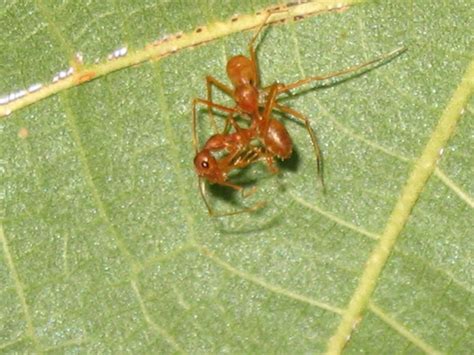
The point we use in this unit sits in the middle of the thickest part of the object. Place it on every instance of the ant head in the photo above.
(241, 70)
(206, 166)
(246, 97)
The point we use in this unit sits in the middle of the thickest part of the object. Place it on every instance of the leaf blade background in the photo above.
(101, 196)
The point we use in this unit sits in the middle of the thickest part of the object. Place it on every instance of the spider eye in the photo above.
(205, 164)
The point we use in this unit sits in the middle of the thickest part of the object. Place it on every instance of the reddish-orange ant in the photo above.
(240, 151)
(250, 98)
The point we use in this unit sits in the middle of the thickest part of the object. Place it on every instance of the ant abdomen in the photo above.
(278, 140)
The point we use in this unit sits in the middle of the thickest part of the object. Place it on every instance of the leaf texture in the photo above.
(106, 245)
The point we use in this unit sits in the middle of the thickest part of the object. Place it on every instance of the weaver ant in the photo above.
(237, 149)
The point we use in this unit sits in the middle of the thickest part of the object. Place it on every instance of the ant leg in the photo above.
(211, 212)
(209, 104)
(312, 135)
(257, 32)
(253, 56)
(230, 121)
(271, 164)
(261, 154)
(250, 209)
(267, 111)
(202, 190)
(379, 61)
(249, 156)
(210, 81)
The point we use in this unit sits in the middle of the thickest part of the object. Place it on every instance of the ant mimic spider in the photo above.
(265, 137)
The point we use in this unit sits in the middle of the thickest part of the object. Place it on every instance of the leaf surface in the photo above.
(107, 246)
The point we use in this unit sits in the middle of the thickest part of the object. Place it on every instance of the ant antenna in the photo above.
(380, 60)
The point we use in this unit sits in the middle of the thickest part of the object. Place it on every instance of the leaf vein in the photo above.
(423, 169)
(70, 117)
(454, 187)
(155, 327)
(267, 285)
(400, 329)
(19, 289)
(335, 218)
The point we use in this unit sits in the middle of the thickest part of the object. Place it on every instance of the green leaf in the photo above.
(106, 245)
